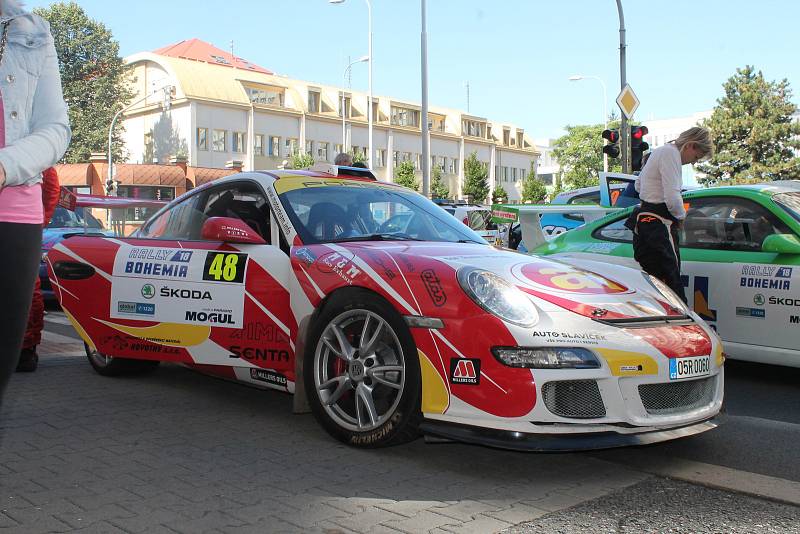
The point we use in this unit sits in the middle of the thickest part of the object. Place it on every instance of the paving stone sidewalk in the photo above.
(176, 451)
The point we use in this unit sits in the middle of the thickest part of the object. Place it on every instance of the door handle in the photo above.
(72, 270)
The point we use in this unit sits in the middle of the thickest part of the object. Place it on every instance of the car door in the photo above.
(170, 294)
(731, 282)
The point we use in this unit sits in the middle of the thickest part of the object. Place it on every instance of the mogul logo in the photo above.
(191, 294)
(212, 317)
(766, 277)
(794, 319)
(465, 371)
(434, 287)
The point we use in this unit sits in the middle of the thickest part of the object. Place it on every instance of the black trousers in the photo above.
(656, 247)
(21, 246)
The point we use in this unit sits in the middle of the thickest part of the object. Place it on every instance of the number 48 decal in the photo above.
(225, 267)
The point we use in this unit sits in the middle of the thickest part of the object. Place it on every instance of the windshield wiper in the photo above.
(378, 237)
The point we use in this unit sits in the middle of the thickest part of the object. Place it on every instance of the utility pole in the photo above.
(624, 131)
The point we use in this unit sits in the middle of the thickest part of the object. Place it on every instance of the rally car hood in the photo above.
(606, 292)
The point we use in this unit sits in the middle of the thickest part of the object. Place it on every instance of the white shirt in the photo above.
(660, 181)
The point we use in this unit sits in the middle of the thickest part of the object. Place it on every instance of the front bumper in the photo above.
(521, 441)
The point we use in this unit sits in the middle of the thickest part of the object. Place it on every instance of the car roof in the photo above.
(766, 188)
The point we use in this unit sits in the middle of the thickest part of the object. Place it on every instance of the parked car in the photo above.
(391, 318)
(740, 252)
(476, 216)
(65, 223)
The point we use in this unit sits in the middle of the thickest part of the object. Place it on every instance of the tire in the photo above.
(113, 366)
(365, 394)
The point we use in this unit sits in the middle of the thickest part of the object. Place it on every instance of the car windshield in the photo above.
(790, 202)
(64, 218)
(345, 213)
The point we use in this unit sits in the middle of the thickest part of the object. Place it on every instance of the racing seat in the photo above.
(326, 220)
(250, 215)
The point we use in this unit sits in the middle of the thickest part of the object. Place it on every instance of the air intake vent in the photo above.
(676, 397)
(577, 399)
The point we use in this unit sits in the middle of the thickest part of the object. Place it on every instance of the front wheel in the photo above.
(113, 366)
(362, 372)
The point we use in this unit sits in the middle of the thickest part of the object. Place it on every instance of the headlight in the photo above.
(44, 256)
(547, 358)
(673, 299)
(498, 297)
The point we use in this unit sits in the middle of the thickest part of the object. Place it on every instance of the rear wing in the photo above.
(116, 207)
(529, 217)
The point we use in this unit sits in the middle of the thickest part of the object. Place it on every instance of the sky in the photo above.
(515, 55)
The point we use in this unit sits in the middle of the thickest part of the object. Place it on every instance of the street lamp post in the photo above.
(344, 113)
(426, 160)
(369, 98)
(579, 77)
(168, 91)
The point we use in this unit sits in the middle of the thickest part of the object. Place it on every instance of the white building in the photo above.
(226, 111)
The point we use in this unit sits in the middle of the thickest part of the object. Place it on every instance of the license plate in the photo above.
(680, 368)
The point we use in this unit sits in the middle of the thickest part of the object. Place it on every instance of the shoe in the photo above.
(28, 361)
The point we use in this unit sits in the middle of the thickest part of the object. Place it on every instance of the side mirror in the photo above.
(781, 244)
(230, 230)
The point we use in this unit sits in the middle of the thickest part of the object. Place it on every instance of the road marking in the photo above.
(716, 476)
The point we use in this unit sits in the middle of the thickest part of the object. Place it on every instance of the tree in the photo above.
(405, 175)
(499, 195)
(301, 160)
(476, 178)
(533, 189)
(754, 137)
(94, 78)
(438, 187)
(358, 156)
(580, 155)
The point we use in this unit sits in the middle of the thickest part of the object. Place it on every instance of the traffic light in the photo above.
(638, 146)
(612, 148)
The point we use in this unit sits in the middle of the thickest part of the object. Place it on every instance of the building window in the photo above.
(270, 96)
(375, 110)
(338, 149)
(405, 117)
(418, 162)
(396, 158)
(291, 146)
(489, 131)
(497, 172)
(440, 162)
(218, 142)
(522, 174)
(437, 122)
(506, 136)
(344, 105)
(520, 140)
(202, 139)
(258, 145)
(473, 128)
(313, 101)
(322, 151)
(239, 141)
(274, 148)
(380, 158)
(144, 192)
(454, 166)
(513, 174)
(310, 148)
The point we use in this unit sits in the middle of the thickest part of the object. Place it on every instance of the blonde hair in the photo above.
(698, 135)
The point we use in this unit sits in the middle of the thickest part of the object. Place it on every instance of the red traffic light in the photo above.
(611, 135)
(637, 132)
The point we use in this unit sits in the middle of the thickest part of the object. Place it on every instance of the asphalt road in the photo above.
(758, 431)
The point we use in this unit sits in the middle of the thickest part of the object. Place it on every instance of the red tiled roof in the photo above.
(198, 50)
(150, 174)
(73, 173)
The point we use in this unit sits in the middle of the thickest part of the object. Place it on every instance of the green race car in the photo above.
(740, 252)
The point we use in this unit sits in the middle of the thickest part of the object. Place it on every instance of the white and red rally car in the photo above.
(391, 318)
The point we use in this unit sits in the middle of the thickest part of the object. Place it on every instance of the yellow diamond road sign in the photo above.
(627, 101)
